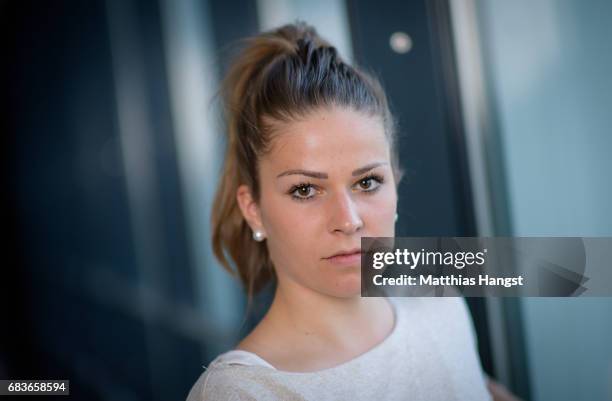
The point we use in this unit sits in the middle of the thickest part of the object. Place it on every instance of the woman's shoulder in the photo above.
(231, 375)
(214, 383)
(225, 380)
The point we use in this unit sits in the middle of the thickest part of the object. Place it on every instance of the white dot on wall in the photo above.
(400, 42)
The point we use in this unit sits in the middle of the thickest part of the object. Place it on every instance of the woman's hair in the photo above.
(279, 76)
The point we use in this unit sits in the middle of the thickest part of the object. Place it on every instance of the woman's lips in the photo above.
(346, 260)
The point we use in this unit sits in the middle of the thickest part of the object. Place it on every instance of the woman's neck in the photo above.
(306, 331)
(340, 322)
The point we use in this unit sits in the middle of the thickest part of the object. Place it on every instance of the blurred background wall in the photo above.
(113, 143)
(547, 68)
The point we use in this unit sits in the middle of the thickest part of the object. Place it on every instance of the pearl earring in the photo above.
(396, 216)
(258, 235)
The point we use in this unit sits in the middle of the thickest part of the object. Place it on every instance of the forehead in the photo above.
(329, 139)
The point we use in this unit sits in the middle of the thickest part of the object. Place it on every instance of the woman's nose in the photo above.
(344, 215)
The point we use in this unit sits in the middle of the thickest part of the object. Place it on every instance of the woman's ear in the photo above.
(249, 208)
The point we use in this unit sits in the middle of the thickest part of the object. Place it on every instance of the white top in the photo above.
(429, 355)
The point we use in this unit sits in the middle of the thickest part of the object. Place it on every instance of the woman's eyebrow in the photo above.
(319, 175)
(367, 168)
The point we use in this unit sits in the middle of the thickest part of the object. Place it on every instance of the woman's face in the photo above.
(326, 182)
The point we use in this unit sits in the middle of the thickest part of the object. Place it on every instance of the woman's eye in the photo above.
(369, 183)
(366, 184)
(303, 192)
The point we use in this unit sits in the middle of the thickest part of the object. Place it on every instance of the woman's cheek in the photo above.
(382, 205)
(293, 225)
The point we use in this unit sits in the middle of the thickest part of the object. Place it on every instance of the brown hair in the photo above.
(279, 76)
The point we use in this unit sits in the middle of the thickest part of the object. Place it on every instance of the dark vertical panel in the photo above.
(232, 20)
(519, 367)
(70, 210)
(69, 205)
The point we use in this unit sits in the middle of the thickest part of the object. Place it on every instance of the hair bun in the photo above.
(308, 51)
(305, 50)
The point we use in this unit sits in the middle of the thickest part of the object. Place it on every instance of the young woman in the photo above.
(311, 168)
